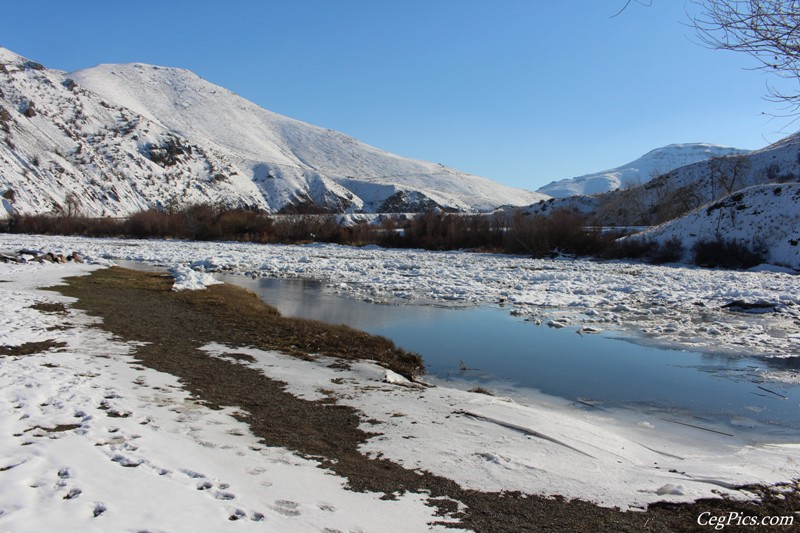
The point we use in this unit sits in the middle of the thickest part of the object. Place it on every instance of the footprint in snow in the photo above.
(286, 508)
(99, 508)
(204, 485)
(127, 462)
(220, 495)
(238, 514)
(72, 494)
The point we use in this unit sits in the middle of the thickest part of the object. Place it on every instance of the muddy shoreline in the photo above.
(140, 306)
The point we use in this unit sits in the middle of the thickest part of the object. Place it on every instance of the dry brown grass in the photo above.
(227, 311)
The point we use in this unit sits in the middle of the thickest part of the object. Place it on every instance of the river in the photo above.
(487, 347)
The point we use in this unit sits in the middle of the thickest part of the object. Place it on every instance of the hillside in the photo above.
(683, 189)
(642, 170)
(62, 148)
(112, 140)
(763, 218)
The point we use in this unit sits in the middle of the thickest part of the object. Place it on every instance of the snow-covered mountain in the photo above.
(681, 190)
(115, 139)
(642, 170)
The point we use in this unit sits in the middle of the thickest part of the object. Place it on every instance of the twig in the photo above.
(697, 427)
(522, 430)
(773, 392)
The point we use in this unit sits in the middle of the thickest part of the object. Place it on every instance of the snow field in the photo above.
(95, 442)
(758, 216)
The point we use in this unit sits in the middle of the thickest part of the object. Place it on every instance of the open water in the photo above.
(488, 347)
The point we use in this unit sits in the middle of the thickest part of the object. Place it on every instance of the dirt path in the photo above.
(139, 306)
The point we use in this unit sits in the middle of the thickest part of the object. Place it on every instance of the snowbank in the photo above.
(494, 444)
(187, 279)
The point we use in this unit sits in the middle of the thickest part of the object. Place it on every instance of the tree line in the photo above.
(560, 232)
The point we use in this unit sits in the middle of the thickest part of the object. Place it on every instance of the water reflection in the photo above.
(307, 299)
(486, 345)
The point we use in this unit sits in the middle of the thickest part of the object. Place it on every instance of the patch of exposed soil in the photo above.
(56, 308)
(30, 348)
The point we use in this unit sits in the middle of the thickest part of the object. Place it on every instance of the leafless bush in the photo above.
(727, 254)
(561, 231)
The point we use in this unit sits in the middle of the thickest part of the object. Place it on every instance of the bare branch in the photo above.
(768, 30)
(647, 3)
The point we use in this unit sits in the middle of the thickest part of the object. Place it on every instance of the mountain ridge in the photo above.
(639, 171)
(121, 138)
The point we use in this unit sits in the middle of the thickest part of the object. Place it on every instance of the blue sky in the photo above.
(520, 91)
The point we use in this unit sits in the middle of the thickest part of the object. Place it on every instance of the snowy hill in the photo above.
(761, 217)
(117, 139)
(679, 191)
(62, 148)
(717, 177)
(642, 170)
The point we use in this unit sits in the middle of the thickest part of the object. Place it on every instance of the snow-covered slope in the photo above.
(715, 178)
(289, 160)
(762, 217)
(679, 191)
(63, 148)
(647, 167)
(117, 139)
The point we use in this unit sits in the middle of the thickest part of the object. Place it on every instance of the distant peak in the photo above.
(9, 57)
(143, 67)
(691, 147)
(654, 162)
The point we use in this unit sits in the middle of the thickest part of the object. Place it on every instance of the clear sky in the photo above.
(520, 91)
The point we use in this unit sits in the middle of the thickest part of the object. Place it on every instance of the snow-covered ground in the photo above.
(759, 217)
(674, 305)
(94, 442)
(91, 436)
(542, 446)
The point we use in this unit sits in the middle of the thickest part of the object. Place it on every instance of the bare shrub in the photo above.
(629, 248)
(151, 223)
(562, 231)
(726, 254)
(437, 230)
(670, 251)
